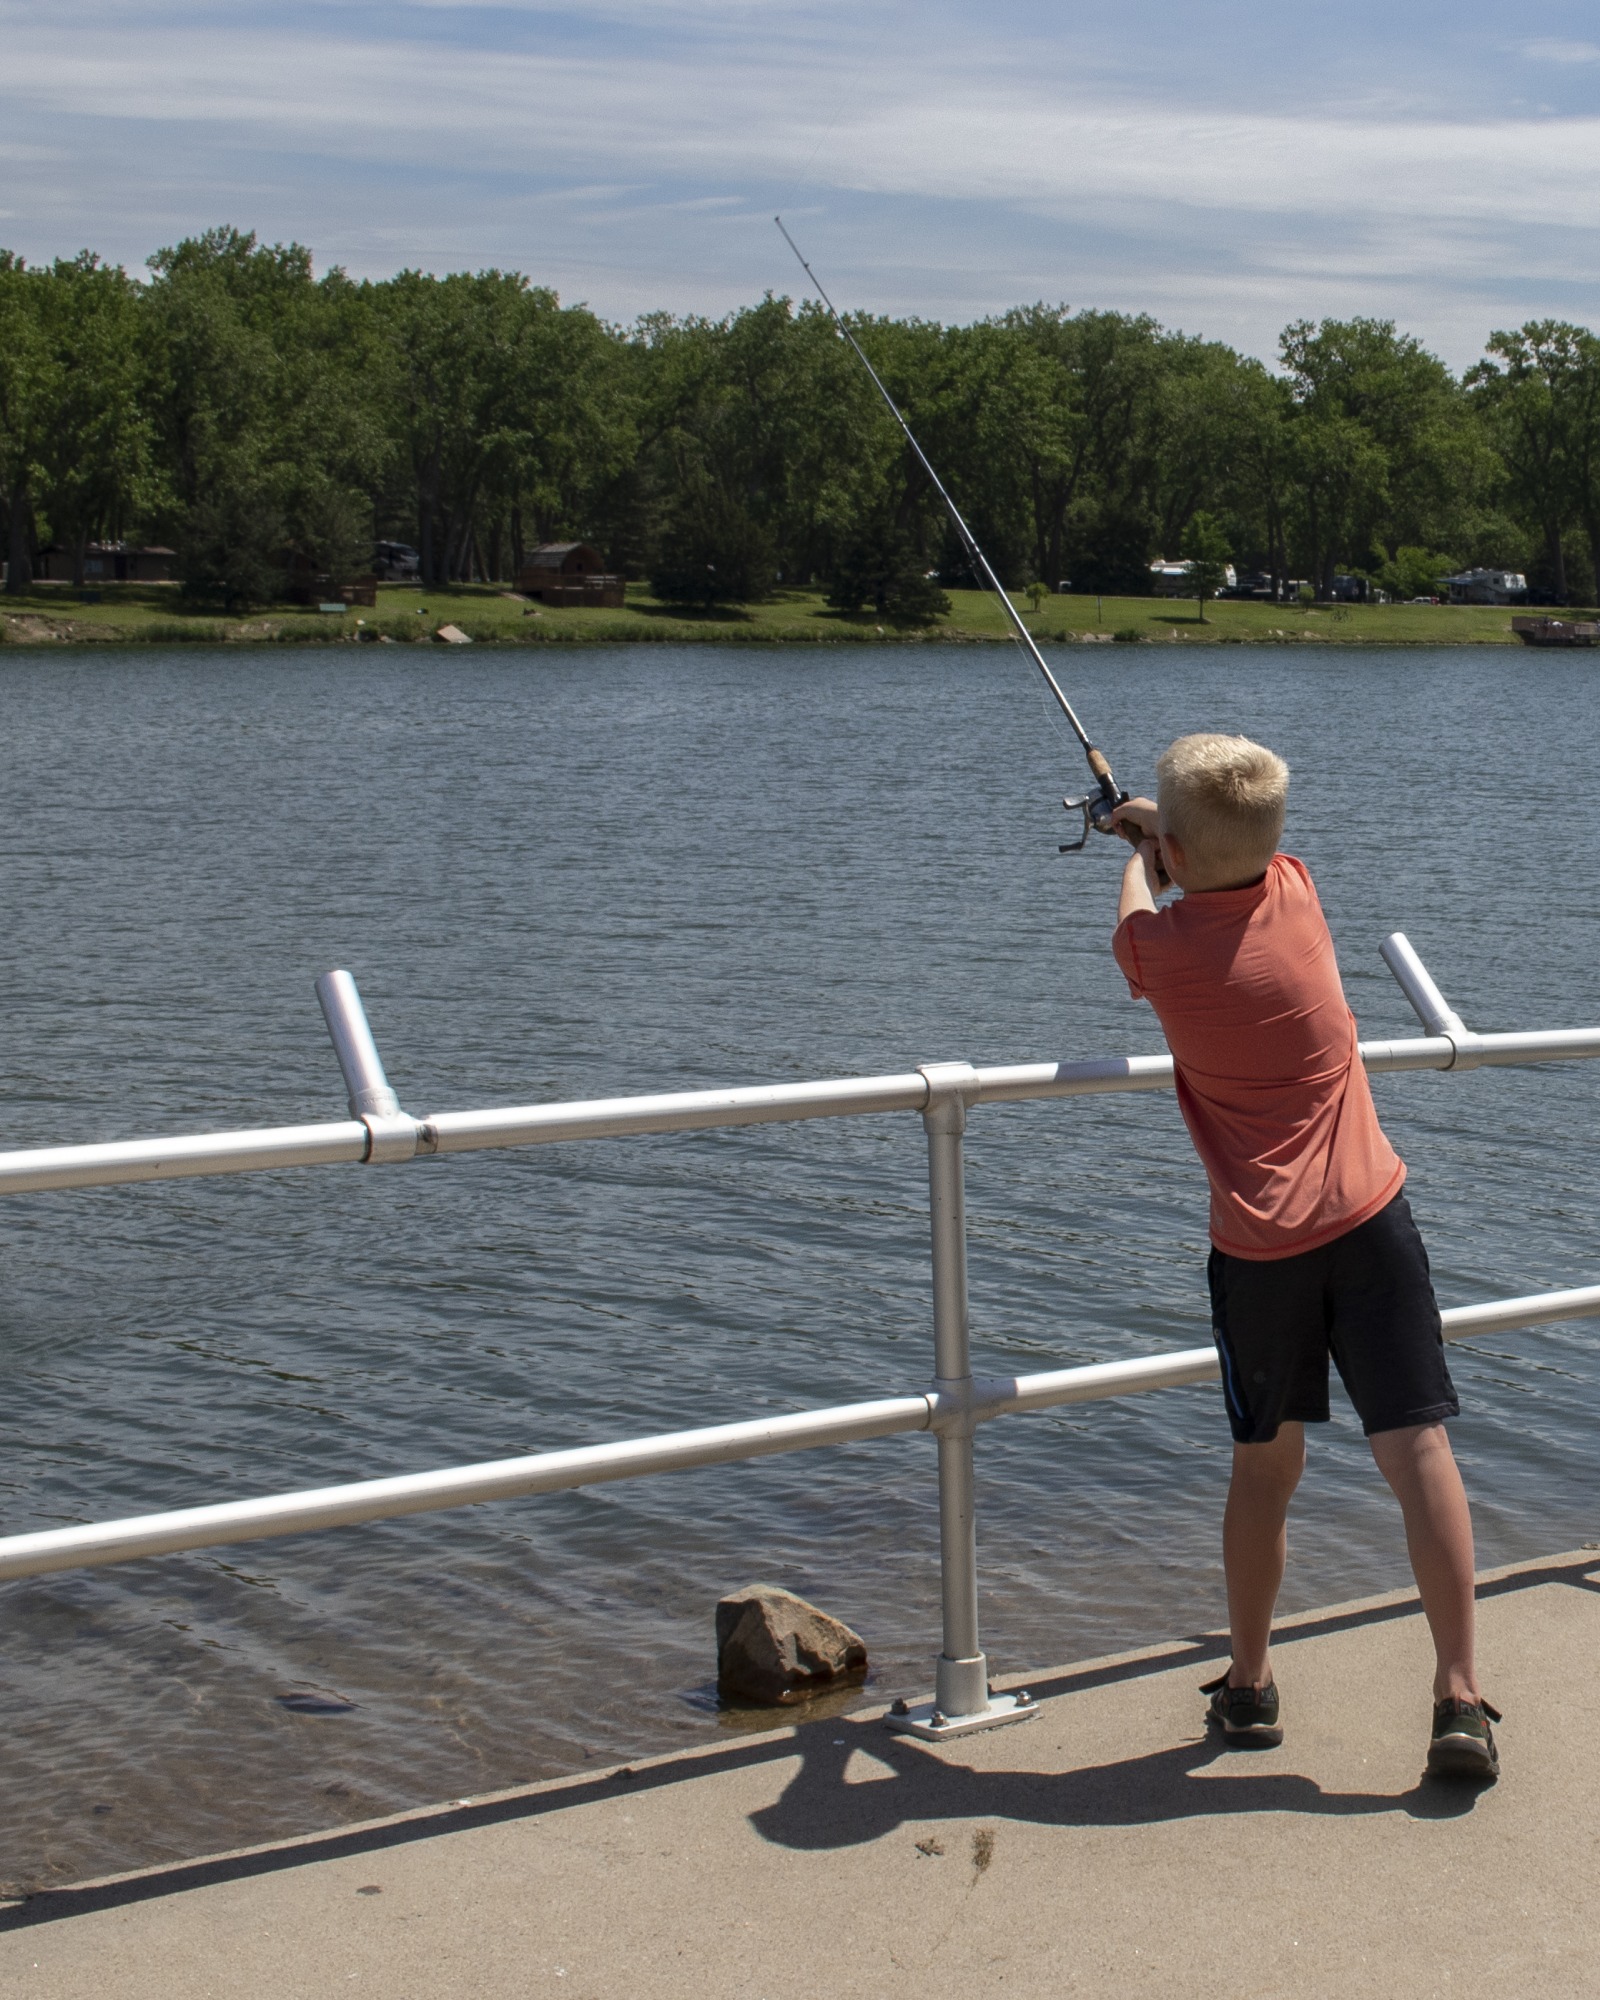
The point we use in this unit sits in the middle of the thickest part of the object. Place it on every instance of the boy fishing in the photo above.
(1314, 1250)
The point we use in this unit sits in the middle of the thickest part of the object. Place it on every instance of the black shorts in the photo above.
(1365, 1298)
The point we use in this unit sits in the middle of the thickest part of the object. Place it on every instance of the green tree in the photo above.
(1258, 485)
(884, 568)
(1205, 549)
(573, 448)
(263, 400)
(231, 541)
(1190, 435)
(213, 315)
(457, 350)
(94, 453)
(1413, 572)
(508, 415)
(713, 553)
(1538, 390)
(28, 386)
(1383, 445)
(1078, 401)
(772, 411)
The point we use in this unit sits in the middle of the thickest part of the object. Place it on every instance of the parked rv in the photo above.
(1486, 586)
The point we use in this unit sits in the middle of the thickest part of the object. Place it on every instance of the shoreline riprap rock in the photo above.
(773, 1648)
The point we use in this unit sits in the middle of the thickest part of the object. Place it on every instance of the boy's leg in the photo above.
(1420, 1466)
(1255, 1543)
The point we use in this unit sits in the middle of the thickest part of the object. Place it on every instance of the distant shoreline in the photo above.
(132, 615)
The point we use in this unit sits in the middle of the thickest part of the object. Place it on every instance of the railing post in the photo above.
(391, 1134)
(962, 1701)
(1430, 1006)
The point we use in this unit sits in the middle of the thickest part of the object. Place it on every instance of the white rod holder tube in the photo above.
(362, 1066)
(1415, 981)
(961, 1683)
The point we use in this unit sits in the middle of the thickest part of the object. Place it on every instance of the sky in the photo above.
(1226, 168)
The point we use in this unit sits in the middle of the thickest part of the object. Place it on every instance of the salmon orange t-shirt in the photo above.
(1270, 1084)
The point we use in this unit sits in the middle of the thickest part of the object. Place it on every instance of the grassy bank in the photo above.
(153, 614)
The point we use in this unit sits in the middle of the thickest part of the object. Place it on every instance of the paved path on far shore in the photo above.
(1104, 1849)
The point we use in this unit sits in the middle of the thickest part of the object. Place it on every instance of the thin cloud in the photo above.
(1561, 52)
(923, 133)
(656, 15)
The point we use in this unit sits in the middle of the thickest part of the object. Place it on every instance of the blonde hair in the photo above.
(1223, 799)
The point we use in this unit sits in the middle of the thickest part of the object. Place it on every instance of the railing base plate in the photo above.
(924, 1720)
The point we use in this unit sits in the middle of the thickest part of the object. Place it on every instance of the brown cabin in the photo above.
(568, 573)
(109, 562)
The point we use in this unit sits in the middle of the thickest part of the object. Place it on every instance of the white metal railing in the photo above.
(378, 1131)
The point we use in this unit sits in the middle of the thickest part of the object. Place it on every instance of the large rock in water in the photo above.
(774, 1647)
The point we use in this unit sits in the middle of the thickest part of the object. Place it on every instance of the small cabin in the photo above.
(109, 562)
(568, 573)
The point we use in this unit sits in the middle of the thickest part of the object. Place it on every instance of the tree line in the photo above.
(232, 405)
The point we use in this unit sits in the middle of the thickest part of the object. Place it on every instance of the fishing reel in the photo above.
(1097, 807)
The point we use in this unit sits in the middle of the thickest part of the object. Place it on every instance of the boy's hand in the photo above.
(1140, 814)
(1137, 820)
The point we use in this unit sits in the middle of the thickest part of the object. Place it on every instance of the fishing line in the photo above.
(865, 76)
(1098, 805)
(828, 131)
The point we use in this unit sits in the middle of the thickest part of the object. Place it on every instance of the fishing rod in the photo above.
(1096, 806)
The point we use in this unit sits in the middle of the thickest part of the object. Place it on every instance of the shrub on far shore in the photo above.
(883, 569)
(713, 553)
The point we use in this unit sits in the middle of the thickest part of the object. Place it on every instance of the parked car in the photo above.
(396, 562)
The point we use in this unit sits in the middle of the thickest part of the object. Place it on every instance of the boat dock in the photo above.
(1105, 1848)
(1556, 631)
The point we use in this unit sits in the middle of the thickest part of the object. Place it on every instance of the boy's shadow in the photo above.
(819, 1810)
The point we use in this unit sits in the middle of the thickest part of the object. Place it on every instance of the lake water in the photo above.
(565, 874)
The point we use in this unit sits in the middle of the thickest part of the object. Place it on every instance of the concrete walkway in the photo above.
(1104, 1849)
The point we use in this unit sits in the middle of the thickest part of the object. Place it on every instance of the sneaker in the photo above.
(1247, 1716)
(1463, 1742)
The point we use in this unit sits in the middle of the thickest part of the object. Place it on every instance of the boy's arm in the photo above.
(1140, 885)
(1139, 820)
